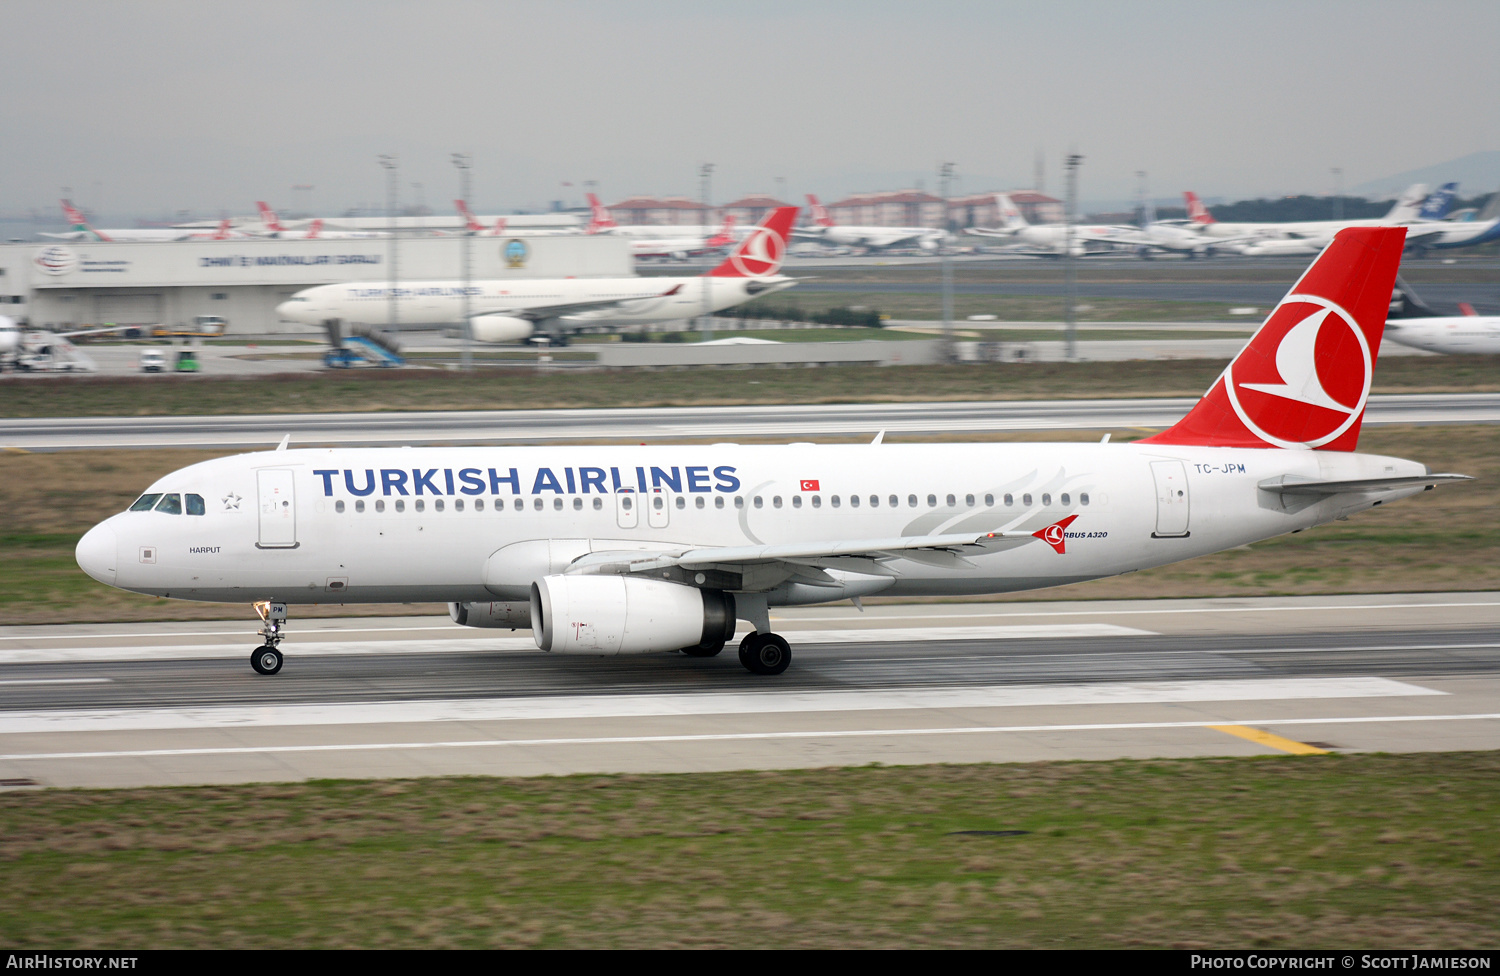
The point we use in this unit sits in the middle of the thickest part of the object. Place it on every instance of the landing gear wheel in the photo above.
(704, 650)
(765, 653)
(265, 659)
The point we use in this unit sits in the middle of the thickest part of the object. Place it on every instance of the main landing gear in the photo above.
(764, 653)
(266, 659)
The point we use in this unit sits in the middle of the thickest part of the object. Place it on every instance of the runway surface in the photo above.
(142, 704)
(670, 423)
(1483, 297)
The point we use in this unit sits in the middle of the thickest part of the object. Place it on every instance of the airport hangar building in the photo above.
(76, 285)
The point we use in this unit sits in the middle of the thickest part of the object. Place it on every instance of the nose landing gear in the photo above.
(266, 659)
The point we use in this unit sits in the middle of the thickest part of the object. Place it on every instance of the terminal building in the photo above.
(76, 285)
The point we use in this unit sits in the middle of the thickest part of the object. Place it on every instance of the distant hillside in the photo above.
(1475, 173)
(1299, 208)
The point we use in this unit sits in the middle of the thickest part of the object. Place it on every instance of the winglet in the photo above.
(284, 442)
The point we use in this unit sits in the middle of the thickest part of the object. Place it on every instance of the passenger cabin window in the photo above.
(853, 501)
(718, 501)
(682, 502)
(598, 503)
(969, 501)
(1083, 498)
(338, 506)
(400, 505)
(1065, 498)
(989, 501)
(145, 503)
(911, 501)
(577, 504)
(359, 504)
(458, 504)
(418, 504)
(796, 501)
(171, 504)
(557, 504)
(437, 506)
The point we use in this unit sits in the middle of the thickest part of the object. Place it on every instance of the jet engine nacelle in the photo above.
(626, 615)
(500, 328)
(507, 615)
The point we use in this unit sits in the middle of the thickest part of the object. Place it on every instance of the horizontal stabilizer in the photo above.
(1292, 485)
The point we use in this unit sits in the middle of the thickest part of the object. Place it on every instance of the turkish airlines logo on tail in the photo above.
(1305, 376)
(759, 254)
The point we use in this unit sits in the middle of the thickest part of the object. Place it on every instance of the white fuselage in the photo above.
(874, 237)
(440, 303)
(458, 524)
(1461, 334)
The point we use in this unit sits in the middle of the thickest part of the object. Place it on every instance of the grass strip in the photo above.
(528, 387)
(1339, 851)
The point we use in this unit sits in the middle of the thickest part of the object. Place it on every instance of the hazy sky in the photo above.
(157, 106)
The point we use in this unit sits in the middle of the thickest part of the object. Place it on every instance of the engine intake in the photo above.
(626, 615)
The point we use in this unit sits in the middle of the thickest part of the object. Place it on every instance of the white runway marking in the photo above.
(57, 681)
(475, 644)
(743, 736)
(636, 706)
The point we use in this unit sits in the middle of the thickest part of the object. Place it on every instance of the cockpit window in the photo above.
(145, 503)
(194, 504)
(171, 504)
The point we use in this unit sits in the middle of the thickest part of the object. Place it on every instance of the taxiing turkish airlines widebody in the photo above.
(875, 238)
(514, 310)
(631, 550)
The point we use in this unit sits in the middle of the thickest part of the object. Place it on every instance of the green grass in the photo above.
(498, 388)
(1369, 852)
(1008, 308)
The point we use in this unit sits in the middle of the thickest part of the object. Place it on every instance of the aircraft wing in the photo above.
(802, 553)
(573, 308)
(1292, 485)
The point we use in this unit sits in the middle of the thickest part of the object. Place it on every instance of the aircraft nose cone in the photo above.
(285, 310)
(96, 553)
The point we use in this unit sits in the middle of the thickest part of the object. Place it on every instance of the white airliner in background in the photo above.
(81, 231)
(1412, 322)
(272, 227)
(627, 550)
(513, 310)
(1050, 240)
(825, 231)
(1404, 211)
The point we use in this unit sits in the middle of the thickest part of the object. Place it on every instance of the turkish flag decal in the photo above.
(809, 484)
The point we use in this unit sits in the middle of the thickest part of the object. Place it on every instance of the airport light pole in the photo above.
(950, 353)
(705, 175)
(1070, 324)
(388, 163)
(463, 161)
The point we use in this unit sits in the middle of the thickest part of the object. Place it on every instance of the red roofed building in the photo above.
(981, 210)
(751, 209)
(894, 208)
(660, 210)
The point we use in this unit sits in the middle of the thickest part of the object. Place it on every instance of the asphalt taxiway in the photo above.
(721, 423)
(143, 704)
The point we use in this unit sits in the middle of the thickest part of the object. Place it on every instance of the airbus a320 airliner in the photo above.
(628, 550)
